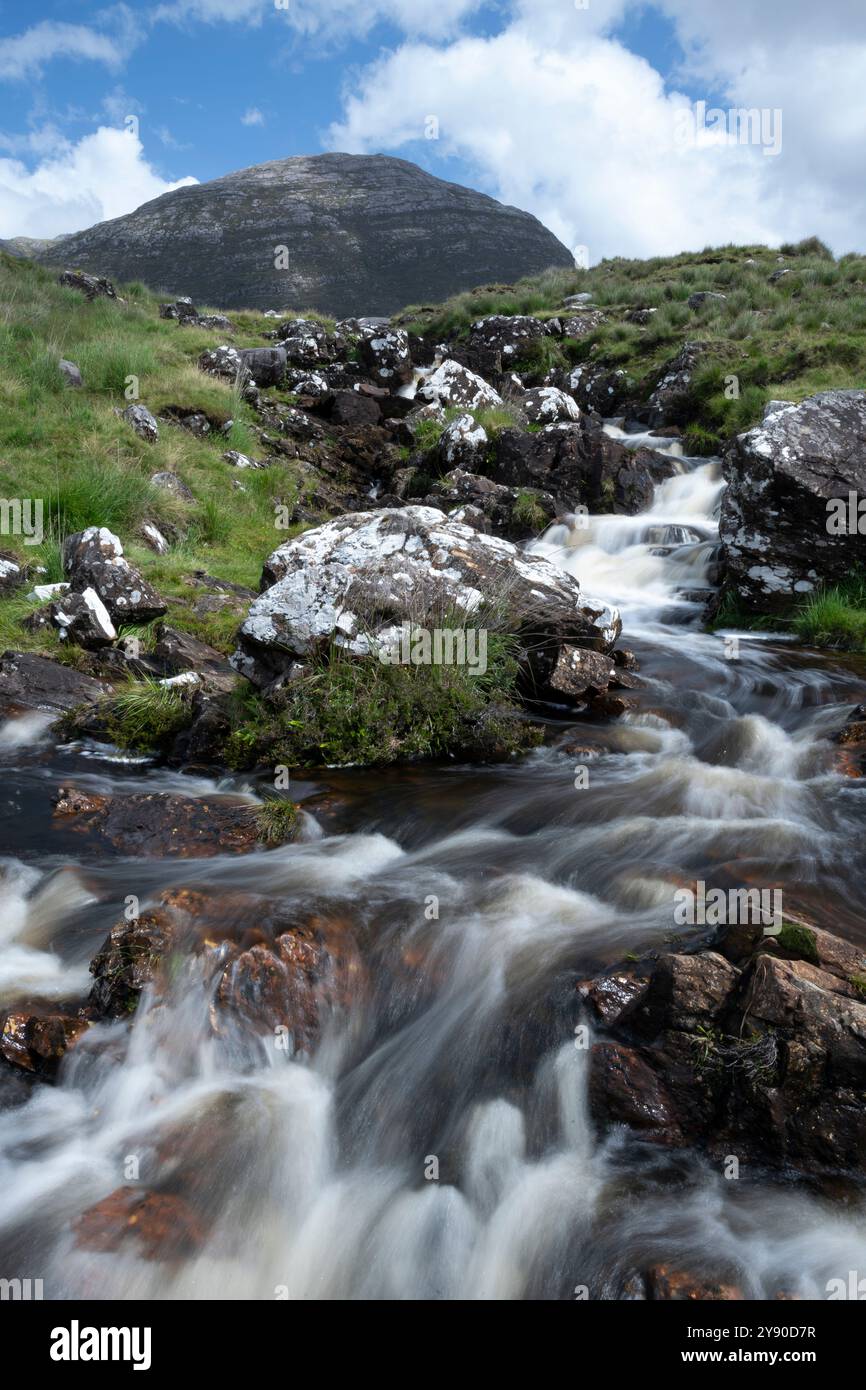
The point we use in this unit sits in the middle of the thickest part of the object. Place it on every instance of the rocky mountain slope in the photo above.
(363, 235)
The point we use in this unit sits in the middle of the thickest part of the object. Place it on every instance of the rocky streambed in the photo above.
(454, 1039)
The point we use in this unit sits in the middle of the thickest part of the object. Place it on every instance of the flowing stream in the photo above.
(436, 1145)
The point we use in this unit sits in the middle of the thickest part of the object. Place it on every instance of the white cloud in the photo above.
(553, 115)
(333, 20)
(253, 116)
(104, 175)
(24, 55)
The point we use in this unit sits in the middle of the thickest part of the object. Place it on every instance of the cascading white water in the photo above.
(437, 1144)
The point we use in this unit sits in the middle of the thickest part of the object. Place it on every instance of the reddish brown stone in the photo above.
(675, 1285)
(37, 1040)
(162, 1225)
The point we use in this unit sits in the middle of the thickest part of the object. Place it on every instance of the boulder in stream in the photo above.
(791, 514)
(357, 579)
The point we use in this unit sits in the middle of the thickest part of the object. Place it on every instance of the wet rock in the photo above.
(787, 525)
(355, 580)
(82, 618)
(579, 675)
(34, 682)
(36, 1038)
(93, 559)
(71, 373)
(546, 405)
(129, 959)
(513, 513)
(141, 420)
(612, 997)
(158, 824)
(453, 384)
(624, 1089)
(311, 973)
(676, 1286)
(91, 286)
(766, 1061)
(155, 1225)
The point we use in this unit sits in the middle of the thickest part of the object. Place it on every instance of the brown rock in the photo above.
(160, 824)
(624, 1089)
(129, 959)
(163, 1226)
(37, 1040)
(676, 1285)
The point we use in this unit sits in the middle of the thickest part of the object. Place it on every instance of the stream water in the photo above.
(319, 1173)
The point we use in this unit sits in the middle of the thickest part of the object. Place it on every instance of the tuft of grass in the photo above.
(835, 617)
(345, 711)
(277, 820)
(145, 716)
(528, 512)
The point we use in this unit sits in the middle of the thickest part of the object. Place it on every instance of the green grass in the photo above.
(806, 333)
(835, 617)
(71, 449)
(344, 711)
(145, 716)
(277, 820)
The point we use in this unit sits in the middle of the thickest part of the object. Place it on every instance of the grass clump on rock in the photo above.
(343, 710)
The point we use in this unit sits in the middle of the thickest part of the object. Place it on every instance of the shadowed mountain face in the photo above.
(363, 234)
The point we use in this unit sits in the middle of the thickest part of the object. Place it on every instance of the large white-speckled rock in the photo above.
(789, 480)
(93, 559)
(453, 384)
(547, 405)
(354, 579)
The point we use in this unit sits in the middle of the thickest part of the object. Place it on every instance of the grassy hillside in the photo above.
(784, 341)
(70, 447)
(804, 333)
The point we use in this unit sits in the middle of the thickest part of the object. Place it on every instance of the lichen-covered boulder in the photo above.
(357, 578)
(787, 522)
(547, 405)
(453, 384)
(94, 559)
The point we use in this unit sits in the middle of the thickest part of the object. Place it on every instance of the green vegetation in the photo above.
(343, 711)
(71, 448)
(528, 512)
(804, 333)
(798, 941)
(835, 617)
(146, 716)
(277, 820)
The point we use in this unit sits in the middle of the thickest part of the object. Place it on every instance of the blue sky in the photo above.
(564, 107)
